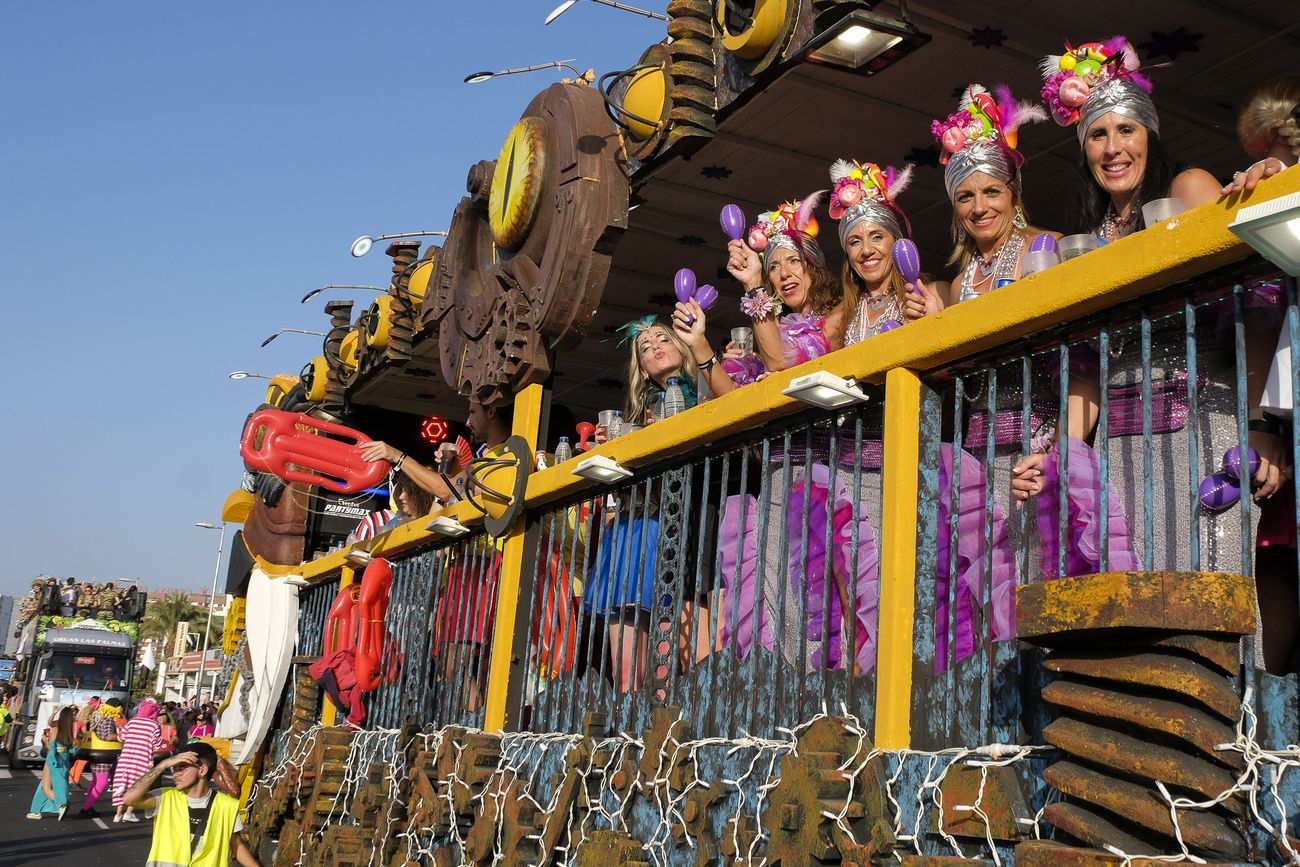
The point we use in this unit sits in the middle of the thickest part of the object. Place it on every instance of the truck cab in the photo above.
(67, 666)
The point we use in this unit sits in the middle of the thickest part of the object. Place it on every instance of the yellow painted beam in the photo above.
(897, 559)
(527, 423)
(328, 712)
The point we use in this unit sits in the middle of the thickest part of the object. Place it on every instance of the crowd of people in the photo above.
(73, 598)
(800, 310)
(115, 747)
(126, 753)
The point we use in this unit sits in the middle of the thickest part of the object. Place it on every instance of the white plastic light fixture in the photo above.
(599, 468)
(1272, 228)
(296, 581)
(358, 557)
(825, 389)
(445, 526)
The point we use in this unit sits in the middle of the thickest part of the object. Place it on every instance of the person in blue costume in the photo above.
(621, 589)
(51, 795)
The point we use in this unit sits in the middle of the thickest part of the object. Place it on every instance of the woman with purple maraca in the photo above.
(881, 267)
(781, 267)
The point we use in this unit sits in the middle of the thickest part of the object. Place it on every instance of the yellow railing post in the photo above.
(897, 559)
(328, 712)
(527, 423)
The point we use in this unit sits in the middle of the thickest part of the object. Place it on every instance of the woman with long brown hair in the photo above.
(51, 795)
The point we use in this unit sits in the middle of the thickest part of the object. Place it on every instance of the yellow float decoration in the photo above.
(517, 183)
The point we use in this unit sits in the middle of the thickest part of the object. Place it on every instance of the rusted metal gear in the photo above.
(508, 821)
(812, 786)
(605, 848)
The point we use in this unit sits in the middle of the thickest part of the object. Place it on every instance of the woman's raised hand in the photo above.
(690, 330)
(378, 450)
(927, 302)
(744, 264)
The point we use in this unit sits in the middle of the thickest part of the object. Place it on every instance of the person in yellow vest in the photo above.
(194, 823)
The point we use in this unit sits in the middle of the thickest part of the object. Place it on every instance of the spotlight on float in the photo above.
(622, 7)
(268, 340)
(445, 526)
(863, 40)
(244, 374)
(476, 77)
(358, 557)
(1272, 228)
(825, 390)
(296, 581)
(313, 293)
(361, 246)
(599, 468)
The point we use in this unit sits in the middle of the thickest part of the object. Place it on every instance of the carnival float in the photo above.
(912, 688)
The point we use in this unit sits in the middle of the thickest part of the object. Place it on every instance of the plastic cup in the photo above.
(1161, 209)
(1076, 245)
(609, 420)
(1038, 260)
(743, 337)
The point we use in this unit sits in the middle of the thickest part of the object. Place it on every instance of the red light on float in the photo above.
(434, 430)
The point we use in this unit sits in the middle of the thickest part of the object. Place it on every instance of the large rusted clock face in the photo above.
(528, 252)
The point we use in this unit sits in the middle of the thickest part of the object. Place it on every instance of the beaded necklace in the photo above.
(1000, 265)
(1113, 226)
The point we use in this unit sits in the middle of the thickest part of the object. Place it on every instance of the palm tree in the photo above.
(163, 615)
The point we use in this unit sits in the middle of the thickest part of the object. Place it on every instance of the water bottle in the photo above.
(563, 451)
(661, 411)
(674, 401)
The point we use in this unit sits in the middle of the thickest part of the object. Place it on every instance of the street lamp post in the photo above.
(212, 598)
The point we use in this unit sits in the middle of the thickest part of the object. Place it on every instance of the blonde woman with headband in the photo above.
(1269, 130)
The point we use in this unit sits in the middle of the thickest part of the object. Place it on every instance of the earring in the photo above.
(961, 234)
(1019, 221)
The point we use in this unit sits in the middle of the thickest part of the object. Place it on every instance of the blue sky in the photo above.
(173, 178)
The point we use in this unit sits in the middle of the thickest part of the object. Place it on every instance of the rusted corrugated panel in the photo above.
(1139, 758)
(1149, 670)
(1203, 831)
(1047, 853)
(1198, 730)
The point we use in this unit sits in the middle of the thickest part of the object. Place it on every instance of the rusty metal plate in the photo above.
(1073, 609)
(1174, 675)
(1003, 802)
(1198, 730)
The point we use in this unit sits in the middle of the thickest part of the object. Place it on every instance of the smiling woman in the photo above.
(1122, 162)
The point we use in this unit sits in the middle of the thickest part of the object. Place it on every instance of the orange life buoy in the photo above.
(341, 622)
(373, 608)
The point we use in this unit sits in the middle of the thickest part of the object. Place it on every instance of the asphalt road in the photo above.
(71, 843)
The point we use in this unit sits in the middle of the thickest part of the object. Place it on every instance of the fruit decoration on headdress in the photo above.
(1070, 78)
(982, 116)
(854, 180)
(791, 219)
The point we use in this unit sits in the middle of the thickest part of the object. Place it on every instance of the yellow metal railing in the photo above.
(1194, 243)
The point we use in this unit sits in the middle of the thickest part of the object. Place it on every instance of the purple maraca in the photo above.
(1218, 492)
(705, 296)
(684, 284)
(1232, 462)
(890, 325)
(908, 262)
(733, 221)
(1044, 242)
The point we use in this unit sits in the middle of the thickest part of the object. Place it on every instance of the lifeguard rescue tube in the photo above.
(341, 622)
(97, 751)
(372, 608)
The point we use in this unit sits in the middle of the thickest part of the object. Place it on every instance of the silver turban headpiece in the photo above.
(1122, 97)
